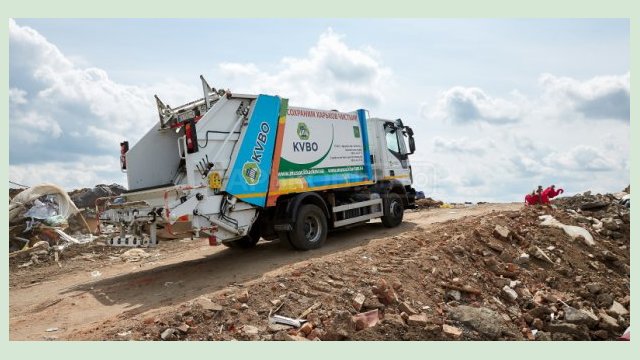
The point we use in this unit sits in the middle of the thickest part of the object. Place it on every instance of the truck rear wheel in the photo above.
(246, 242)
(310, 228)
(393, 212)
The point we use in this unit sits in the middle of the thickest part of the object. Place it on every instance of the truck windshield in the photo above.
(392, 141)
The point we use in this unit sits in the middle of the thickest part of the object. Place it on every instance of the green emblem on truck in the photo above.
(356, 132)
(251, 173)
(303, 131)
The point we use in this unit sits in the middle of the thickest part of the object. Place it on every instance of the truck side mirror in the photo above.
(412, 142)
(412, 145)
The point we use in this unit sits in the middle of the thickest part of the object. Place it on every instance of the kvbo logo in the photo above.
(251, 169)
(304, 134)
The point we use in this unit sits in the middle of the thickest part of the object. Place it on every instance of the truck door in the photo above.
(395, 163)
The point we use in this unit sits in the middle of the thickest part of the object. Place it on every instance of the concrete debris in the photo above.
(509, 294)
(418, 320)
(169, 334)
(617, 309)
(522, 259)
(452, 331)
(250, 330)
(243, 296)
(358, 301)
(483, 320)
(501, 233)
(607, 322)
(274, 328)
(574, 232)
(207, 304)
(405, 307)
(579, 317)
(341, 327)
(541, 255)
(134, 255)
(454, 295)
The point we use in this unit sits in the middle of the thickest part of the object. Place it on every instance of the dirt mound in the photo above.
(428, 203)
(501, 276)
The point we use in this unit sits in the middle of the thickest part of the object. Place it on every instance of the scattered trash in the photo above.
(52, 329)
(41, 213)
(96, 274)
(279, 319)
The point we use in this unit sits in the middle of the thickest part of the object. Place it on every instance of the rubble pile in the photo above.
(503, 276)
(38, 218)
(428, 203)
(86, 198)
(607, 215)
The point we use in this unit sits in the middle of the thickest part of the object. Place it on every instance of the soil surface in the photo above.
(442, 274)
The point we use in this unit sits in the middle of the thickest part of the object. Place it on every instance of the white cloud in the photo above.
(41, 123)
(461, 105)
(463, 145)
(582, 158)
(69, 113)
(602, 97)
(331, 75)
(86, 172)
(17, 96)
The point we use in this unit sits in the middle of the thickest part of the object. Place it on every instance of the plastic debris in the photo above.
(279, 319)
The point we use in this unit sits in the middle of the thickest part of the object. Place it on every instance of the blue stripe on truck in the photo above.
(252, 168)
(362, 118)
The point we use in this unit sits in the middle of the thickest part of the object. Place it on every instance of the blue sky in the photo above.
(498, 105)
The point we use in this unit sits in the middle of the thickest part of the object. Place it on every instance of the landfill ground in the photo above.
(481, 272)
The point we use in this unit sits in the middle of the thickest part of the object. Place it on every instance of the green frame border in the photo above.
(320, 9)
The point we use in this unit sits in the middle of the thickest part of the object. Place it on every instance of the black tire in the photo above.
(310, 228)
(393, 211)
(247, 241)
(285, 242)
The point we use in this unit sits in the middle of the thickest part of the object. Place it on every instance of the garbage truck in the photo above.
(237, 168)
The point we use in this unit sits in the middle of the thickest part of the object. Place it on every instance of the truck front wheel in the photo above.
(393, 212)
(310, 228)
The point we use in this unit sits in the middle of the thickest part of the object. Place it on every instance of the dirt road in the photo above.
(90, 290)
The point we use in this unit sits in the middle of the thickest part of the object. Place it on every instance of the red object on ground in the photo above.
(213, 241)
(549, 193)
(542, 198)
(530, 199)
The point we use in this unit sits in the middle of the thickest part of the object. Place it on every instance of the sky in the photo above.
(498, 106)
